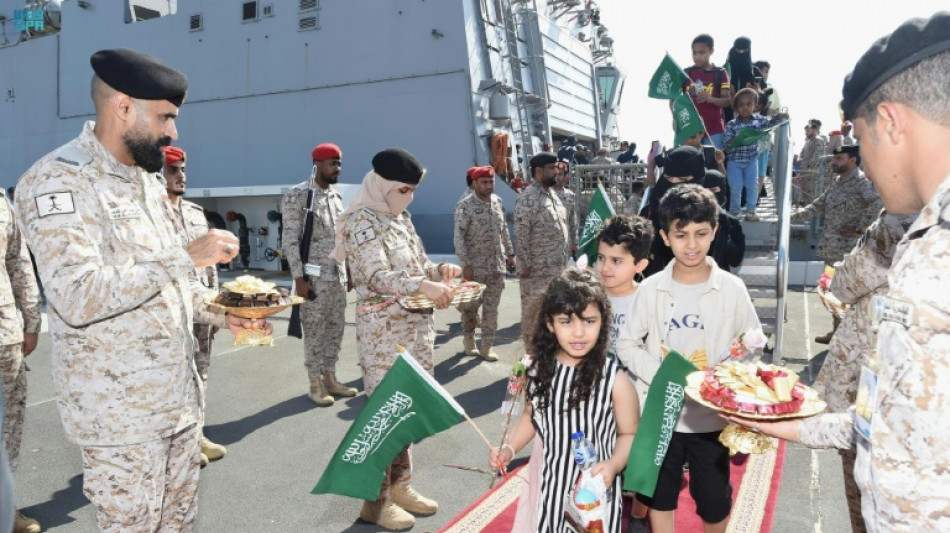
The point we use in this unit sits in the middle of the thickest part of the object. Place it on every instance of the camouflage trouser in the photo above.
(494, 284)
(147, 487)
(851, 492)
(532, 291)
(203, 336)
(377, 334)
(322, 321)
(810, 186)
(14, 398)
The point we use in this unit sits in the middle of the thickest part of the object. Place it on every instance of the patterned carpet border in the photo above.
(477, 516)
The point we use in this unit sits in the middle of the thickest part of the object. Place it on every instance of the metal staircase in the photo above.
(517, 78)
(765, 266)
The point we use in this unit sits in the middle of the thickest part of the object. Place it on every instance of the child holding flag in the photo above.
(574, 387)
(742, 167)
(696, 309)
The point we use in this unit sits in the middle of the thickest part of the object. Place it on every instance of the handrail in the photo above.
(782, 185)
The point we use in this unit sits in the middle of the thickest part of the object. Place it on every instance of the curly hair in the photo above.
(633, 232)
(570, 294)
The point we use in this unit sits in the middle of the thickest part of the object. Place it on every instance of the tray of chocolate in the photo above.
(251, 297)
(754, 390)
(464, 291)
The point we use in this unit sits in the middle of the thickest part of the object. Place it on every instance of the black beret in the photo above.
(139, 75)
(396, 164)
(542, 158)
(850, 149)
(685, 161)
(913, 41)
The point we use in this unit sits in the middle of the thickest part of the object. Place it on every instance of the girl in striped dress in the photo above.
(574, 386)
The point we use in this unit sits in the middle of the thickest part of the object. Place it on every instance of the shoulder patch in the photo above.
(55, 203)
(364, 234)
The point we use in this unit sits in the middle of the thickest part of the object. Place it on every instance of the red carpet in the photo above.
(755, 481)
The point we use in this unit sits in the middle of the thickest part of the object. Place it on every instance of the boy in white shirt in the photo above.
(697, 309)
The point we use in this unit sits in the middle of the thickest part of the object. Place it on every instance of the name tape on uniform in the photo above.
(55, 203)
(118, 213)
(891, 310)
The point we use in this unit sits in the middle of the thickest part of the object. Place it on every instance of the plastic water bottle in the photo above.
(585, 455)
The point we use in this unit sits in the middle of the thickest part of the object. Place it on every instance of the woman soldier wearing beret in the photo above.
(386, 260)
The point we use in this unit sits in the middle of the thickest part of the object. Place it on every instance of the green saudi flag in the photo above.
(408, 405)
(749, 136)
(661, 412)
(687, 119)
(667, 82)
(600, 210)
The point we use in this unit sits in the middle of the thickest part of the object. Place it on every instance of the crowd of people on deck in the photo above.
(127, 266)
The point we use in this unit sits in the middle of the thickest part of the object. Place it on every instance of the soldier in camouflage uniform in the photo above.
(849, 206)
(20, 308)
(568, 201)
(191, 223)
(483, 247)
(123, 297)
(541, 235)
(898, 101)
(807, 179)
(386, 260)
(318, 278)
(861, 276)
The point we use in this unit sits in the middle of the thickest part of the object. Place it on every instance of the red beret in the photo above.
(480, 172)
(326, 151)
(173, 154)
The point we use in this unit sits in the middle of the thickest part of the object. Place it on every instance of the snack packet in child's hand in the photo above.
(584, 503)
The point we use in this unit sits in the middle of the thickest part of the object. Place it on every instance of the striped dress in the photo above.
(595, 418)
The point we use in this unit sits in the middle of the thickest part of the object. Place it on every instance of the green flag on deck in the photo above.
(687, 119)
(600, 210)
(661, 412)
(408, 405)
(668, 80)
(749, 136)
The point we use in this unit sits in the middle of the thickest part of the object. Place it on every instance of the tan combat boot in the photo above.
(486, 353)
(468, 344)
(406, 497)
(212, 450)
(319, 394)
(336, 388)
(387, 515)
(25, 524)
(203, 460)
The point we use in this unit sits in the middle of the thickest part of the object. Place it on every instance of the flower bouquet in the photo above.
(513, 405)
(831, 302)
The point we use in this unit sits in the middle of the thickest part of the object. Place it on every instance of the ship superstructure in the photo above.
(447, 80)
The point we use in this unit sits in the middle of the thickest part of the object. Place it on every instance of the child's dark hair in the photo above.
(636, 187)
(752, 93)
(704, 38)
(570, 293)
(687, 203)
(633, 232)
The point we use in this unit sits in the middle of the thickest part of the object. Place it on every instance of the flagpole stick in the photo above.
(479, 431)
